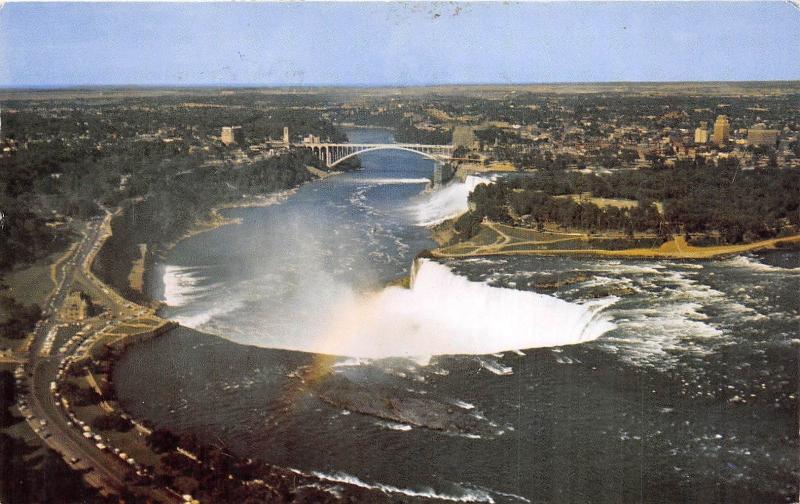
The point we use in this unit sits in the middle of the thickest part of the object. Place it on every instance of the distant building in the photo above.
(286, 135)
(310, 139)
(722, 130)
(232, 135)
(464, 136)
(760, 135)
(701, 133)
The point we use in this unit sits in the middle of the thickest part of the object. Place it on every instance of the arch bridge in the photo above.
(334, 153)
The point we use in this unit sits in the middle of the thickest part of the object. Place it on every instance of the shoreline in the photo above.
(136, 275)
(676, 248)
(213, 219)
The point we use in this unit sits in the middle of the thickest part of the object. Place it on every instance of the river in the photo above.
(562, 379)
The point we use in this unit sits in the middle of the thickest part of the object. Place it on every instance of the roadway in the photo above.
(102, 469)
(65, 439)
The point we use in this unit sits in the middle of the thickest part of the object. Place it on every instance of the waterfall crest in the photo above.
(446, 314)
(447, 202)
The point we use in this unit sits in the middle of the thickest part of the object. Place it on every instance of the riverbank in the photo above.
(211, 220)
(214, 218)
(136, 276)
(495, 239)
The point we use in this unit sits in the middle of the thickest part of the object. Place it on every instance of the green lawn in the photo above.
(31, 283)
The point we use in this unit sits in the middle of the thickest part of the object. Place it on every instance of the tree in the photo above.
(21, 318)
(162, 440)
(112, 421)
(8, 395)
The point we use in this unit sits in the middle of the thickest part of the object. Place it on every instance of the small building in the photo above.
(232, 135)
(76, 306)
(701, 133)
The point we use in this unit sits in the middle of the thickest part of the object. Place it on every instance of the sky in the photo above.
(394, 44)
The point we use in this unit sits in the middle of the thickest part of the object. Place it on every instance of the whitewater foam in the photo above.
(428, 493)
(446, 314)
(393, 181)
(204, 316)
(182, 285)
(352, 363)
(682, 316)
(201, 304)
(752, 264)
(446, 203)
(496, 367)
(619, 267)
(394, 426)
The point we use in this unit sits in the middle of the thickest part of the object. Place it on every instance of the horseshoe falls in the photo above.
(444, 314)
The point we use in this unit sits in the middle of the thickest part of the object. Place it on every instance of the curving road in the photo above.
(102, 469)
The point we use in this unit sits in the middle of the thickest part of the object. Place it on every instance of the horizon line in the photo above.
(57, 87)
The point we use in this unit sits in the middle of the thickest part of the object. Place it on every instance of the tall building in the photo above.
(286, 135)
(701, 133)
(232, 135)
(722, 130)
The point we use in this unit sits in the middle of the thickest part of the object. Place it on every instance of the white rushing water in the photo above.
(390, 181)
(750, 263)
(180, 285)
(187, 288)
(446, 314)
(446, 203)
(441, 314)
(468, 495)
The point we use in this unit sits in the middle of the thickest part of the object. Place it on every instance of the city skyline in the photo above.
(393, 44)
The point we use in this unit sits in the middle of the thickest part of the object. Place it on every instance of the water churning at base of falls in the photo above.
(444, 314)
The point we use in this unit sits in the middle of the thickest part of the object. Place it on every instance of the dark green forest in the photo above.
(735, 205)
(75, 156)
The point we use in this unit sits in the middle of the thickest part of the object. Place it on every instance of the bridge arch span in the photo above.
(432, 157)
